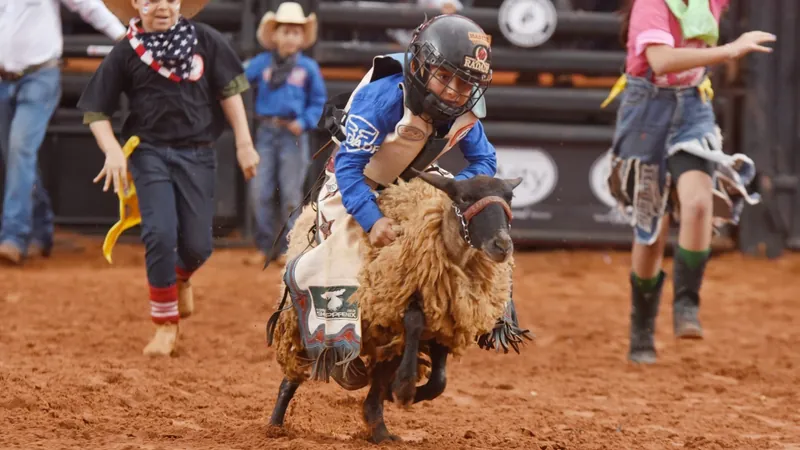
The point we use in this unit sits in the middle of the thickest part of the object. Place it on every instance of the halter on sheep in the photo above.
(444, 282)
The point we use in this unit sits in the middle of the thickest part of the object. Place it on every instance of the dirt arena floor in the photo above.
(72, 374)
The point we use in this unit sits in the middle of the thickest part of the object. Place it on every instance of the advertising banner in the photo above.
(563, 196)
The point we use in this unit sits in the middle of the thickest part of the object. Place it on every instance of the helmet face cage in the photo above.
(424, 62)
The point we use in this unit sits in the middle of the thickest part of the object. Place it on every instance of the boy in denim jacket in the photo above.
(289, 101)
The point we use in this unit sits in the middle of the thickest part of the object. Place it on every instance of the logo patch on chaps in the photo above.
(333, 302)
(410, 133)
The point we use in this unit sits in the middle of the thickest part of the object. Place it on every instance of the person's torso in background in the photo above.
(290, 99)
(638, 65)
(30, 33)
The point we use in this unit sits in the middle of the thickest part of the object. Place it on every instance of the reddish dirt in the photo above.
(72, 374)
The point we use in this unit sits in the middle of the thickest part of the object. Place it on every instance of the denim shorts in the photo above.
(653, 122)
(661, 133)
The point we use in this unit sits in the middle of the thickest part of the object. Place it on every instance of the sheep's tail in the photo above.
(506, 332)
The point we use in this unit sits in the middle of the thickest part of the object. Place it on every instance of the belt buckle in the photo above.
(10, 76)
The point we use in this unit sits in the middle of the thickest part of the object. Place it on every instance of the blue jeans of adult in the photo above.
(277, 188)
(26, 106)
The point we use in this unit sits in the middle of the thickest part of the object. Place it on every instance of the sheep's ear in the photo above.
(513, 182)
(448, 185)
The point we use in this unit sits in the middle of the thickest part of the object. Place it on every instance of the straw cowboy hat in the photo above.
(288, 12)
(125, 12)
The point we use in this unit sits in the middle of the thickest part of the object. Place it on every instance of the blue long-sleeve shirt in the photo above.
(374, 113)
(302, 97)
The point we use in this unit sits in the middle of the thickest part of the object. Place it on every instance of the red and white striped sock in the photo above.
(164, 304)
(182, 274)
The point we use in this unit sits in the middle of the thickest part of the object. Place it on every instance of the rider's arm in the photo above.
(375, 109)
(479, 153)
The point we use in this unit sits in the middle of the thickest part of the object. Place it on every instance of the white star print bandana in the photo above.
(170, 53)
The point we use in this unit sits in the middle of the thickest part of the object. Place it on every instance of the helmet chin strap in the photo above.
(441, 111)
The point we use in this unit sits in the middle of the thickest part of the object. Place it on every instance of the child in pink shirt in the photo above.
(667, 155)
(651, 22)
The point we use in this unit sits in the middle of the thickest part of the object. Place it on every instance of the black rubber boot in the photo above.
(644, 310)
(686, 305)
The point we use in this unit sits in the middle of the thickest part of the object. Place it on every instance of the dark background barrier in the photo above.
(770, 133)
(552, 133)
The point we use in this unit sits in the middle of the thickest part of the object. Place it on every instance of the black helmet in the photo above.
(447, 47)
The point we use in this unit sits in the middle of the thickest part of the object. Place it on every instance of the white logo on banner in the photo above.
(538, 171)
(527, 23)
(598, 180)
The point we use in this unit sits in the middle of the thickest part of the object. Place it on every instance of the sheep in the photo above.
(450, 280)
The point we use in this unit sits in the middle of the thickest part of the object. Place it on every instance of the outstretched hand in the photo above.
(115, 170)
(751, 42)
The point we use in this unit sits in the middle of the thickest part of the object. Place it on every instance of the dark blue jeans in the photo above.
(176, 198)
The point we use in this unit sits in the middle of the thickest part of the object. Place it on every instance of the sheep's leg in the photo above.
(373, 404)
(285, 395)
(405, 383)
(438, 377)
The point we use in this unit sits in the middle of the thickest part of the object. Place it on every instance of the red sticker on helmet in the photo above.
(481, 54)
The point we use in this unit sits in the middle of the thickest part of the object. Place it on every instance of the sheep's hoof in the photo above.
(276, 431)
(383, 436)
(404, 392)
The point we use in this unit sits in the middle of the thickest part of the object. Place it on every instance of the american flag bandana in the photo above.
(169, 53)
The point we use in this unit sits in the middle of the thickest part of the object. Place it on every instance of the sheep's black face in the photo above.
(484, 206)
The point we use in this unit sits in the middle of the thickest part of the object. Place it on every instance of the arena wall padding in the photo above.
(399, 15)
(70, 159)
(589, 62)
(769, 131)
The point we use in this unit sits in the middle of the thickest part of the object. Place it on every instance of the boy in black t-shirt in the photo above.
(182, 80)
